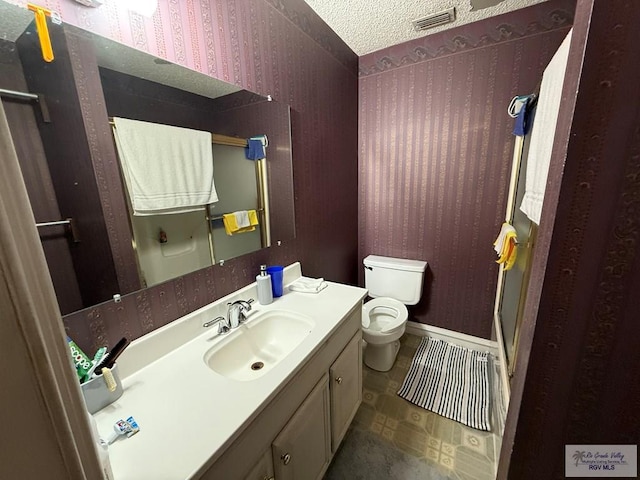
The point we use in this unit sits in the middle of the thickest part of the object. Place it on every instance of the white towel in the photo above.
(543, 132)
(308, 285)
(498, 245)
(242, 219)
(166, 169)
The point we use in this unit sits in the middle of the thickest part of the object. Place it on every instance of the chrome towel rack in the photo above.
(70, 222)
(32, 97)
(220, 217)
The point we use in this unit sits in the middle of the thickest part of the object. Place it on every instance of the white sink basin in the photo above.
(255, 347)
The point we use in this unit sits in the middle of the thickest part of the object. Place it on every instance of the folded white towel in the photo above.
(242, 219)
(543, 132)
(166, 169)
(308, 285)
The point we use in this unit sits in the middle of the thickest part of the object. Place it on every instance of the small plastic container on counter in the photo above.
(97, 394)
(277, 279)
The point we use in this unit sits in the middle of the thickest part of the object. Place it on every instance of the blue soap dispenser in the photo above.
(263, 285)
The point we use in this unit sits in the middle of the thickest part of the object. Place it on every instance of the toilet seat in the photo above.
(383, 315)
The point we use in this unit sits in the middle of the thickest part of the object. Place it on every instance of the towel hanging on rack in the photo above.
(166, 169)
(231, 225)
(256, 146)
(543, 132)
(523, 104)
(505, 246)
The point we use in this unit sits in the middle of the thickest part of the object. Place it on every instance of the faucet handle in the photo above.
(244, 307)
(223, 325)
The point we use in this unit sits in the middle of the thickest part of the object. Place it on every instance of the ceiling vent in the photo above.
(435, 20)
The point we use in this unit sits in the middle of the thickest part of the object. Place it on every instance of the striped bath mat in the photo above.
(451, 381)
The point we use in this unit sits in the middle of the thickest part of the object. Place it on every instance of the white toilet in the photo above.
(393, 283)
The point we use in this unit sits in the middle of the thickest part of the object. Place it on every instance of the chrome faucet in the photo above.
(223, 324)
(237, 312)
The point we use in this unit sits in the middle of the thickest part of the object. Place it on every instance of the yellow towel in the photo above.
(512, 251)
(231, 227)
(506, 246)
(511, 259)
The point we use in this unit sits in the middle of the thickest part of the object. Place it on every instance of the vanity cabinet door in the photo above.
(263, 470)
(346, 388)
(301, 451)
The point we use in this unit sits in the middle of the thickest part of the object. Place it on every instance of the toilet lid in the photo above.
(395, 314)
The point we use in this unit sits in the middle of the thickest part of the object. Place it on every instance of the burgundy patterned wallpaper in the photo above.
(436, 150)
(276, 47)
(577, 380)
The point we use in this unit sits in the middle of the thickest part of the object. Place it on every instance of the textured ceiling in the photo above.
(13, 21)
(370, 25)
(365, 25)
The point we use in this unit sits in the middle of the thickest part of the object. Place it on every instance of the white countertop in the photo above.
(187, 413)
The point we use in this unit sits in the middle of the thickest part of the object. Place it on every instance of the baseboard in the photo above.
(462, 339)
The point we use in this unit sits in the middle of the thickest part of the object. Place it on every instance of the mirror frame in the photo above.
(76, 49)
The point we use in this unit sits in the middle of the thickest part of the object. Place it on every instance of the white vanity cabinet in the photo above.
(263, 470)
(302, 450)
(296, 434)
(346, 389)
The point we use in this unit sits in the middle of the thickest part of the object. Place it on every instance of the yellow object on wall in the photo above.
(41, 15)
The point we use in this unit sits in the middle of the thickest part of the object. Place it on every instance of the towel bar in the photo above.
(219, 217)
(38, 98)
(73, 228)
(216, 138)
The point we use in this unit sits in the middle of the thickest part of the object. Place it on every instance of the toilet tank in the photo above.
(394, 277)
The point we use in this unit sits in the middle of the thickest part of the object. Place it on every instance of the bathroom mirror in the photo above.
(65, 145)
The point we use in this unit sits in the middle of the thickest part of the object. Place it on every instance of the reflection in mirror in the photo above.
(172, 244)
(70, 164)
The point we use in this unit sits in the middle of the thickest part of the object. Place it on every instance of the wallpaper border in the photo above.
(540, 18)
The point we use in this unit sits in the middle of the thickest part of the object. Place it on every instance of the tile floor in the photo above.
(454, 450)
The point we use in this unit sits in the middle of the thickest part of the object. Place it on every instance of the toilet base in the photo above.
(381, 357)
